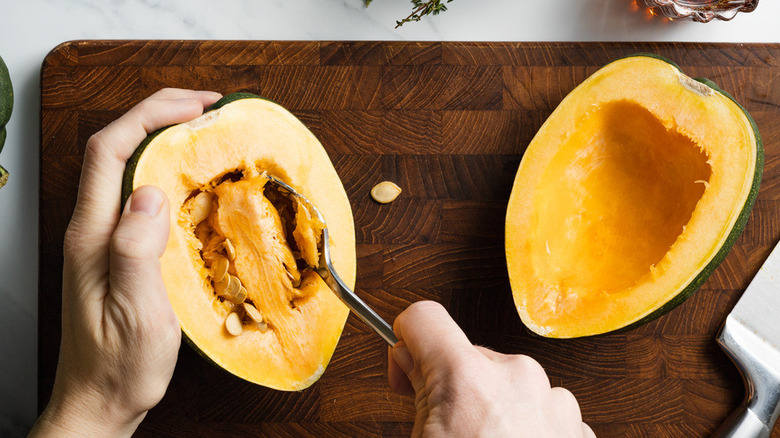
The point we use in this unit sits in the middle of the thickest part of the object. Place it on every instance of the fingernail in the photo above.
(146, 200)
(403, 358)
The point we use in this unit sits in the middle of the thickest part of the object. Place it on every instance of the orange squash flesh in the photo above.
(224, 153)
(295, 316)
(629, 190)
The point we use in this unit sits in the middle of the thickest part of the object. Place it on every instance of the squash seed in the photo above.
(252, 312)
(220, 287)
(233, 324)
(262, 326)
(233, 288)
(220, 268)
(230, 250)
(240, 296)
(385, 192)
(200, 207)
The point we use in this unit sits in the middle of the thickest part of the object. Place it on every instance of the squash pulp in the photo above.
(628, 197)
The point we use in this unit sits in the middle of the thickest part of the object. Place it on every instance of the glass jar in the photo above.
(699, 10)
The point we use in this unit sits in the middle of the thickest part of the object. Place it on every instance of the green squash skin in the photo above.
(6, 95)
(202, 354)
(234, 97)
(739, 225)
(3, 134)
(132, 162)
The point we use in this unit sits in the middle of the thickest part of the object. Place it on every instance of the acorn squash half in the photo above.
(233, 266)
(628, 197)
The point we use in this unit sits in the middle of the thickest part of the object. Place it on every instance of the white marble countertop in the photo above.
(30, 28)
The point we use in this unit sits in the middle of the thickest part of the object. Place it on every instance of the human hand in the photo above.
(120, 337)
(466, 391)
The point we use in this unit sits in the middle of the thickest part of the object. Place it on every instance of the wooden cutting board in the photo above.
(449, 123)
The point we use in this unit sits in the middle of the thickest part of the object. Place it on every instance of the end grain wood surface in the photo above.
(448, 122)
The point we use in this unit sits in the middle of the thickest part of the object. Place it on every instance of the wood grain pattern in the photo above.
(449, 123)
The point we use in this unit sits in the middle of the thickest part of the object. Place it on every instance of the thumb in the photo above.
(430, 342)
(136, 246)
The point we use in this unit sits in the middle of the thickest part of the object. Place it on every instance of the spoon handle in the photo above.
(361, 309)
(348, 296)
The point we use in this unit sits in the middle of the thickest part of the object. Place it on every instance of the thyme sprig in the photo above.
(420, 9)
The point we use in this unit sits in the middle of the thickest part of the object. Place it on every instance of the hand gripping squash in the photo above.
(628, 197)
(234, 266)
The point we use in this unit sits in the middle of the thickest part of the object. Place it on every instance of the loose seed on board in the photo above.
(233, 324)
(385, 192)
(230, 250)
(252, 312)
(201, 206)
(220, 268)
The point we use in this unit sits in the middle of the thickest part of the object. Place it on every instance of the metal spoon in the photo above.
(328, 273)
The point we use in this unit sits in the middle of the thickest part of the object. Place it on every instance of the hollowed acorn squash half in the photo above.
(628, 197)
(213, 170)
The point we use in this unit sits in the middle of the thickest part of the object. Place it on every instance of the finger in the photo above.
(399, 365)
(180, 93)
(97, 208)
(566, 408)
(431, 336)
(136, 246)
(587, 432)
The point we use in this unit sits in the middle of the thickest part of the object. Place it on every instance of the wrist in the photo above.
(77, 419)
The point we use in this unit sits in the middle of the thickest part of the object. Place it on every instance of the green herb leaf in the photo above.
(420, 9)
